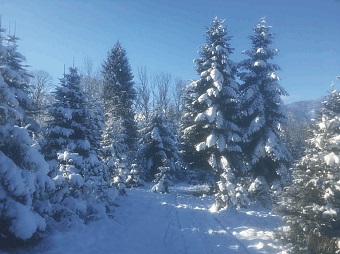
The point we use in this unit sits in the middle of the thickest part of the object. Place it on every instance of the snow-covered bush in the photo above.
(259, 191)
(120, 181)
(158, 148)
(163, 180)
(134, 177)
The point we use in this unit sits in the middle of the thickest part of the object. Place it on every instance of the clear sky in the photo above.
(165, 35)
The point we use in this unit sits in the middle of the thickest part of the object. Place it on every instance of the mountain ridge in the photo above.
(304, 111)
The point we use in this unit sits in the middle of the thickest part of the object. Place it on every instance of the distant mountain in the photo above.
(304, 111)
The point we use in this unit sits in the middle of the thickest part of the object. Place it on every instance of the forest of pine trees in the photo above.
(66, 157)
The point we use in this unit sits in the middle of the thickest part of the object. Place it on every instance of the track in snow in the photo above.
(203, 229)
(175, 223)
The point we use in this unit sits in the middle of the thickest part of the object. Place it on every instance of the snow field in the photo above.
(175, 223)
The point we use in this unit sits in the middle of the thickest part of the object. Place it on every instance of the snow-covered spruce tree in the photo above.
(213, 109)
(24, 184)
(194, 163)
(263, 116)
(66, 125)
(92, 86)
(163, 180)
(120, 135)
(75, 167)
(119, 93)
(158, 150)
(311, 205)
(98, 184)
(94, 126)
(15, 63)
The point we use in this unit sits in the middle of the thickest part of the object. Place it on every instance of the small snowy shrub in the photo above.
(163, 180)
(134, 178)
(259, 191)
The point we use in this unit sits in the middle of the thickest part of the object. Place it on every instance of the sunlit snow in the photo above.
(211, 113)
(211, 140)
(260, 63)
(217, 76)
(332, 159)
(178, 222)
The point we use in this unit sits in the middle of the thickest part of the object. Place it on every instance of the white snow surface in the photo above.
(201, 146)
(204, 98)
(332, 159)
(179, 222)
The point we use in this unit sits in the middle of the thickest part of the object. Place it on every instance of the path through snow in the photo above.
(147, 222)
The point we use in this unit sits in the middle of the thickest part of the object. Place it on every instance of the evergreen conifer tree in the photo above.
(119, 95)
(158, 148)
(211, 113)
(194, 163)
(24, 185)
(66, 127)
(94, 127)
(78, 173)
(263, 116)
(311, 205)
(120, 134)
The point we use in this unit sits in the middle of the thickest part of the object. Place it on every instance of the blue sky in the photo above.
(165, 35)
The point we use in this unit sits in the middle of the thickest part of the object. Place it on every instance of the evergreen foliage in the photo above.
(119, 95)
(120, 134)
(311, 205)
(210, 114)
(66, 127)
(295, 136)
(231, 135)
(158, 148)
(163, 180)
(194, 163)
(78, 173)
(263, 116)
(24, 184)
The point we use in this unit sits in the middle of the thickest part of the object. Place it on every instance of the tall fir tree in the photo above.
(119, 93)
(194, 164)
(120, 135)
(25, 185)
(78, 173)
(67, 117)
(263, 117)
(311, 205)
(211, 113)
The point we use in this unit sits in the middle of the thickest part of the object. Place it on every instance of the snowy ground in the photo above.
(179, 222)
